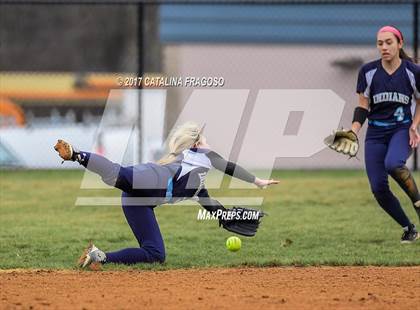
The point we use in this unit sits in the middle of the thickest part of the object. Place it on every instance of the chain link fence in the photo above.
(62, 65)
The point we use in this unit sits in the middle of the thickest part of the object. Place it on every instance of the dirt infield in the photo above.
(245, 288)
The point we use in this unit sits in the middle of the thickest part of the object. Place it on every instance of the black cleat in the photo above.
(411, 235)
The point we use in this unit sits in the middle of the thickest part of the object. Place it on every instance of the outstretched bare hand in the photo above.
(264, 183)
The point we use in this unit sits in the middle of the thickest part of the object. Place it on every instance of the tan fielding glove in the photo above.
(343, 141)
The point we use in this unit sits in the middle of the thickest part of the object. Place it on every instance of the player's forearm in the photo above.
(360, 114)
(230, 168)
(208, 203)
(359, 117)
(240, 173)
(355, 127)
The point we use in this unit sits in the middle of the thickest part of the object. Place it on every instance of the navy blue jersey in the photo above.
(390, 95)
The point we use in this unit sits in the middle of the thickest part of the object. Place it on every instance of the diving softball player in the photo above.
(177, 176)
(388, 88)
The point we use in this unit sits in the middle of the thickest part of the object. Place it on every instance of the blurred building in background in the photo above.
(59, 63)
(46, 98)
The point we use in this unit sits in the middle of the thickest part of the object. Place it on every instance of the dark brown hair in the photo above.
(403, 54)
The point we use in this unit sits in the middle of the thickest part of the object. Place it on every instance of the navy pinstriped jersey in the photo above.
(390, 96)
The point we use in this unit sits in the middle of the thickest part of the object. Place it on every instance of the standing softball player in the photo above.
(387, 88)
(177, 176)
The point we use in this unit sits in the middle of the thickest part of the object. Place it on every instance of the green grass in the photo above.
(330, 216)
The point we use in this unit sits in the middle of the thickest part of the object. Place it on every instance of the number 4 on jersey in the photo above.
(399, 114)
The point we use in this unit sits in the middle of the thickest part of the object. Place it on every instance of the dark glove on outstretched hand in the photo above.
(242, 221)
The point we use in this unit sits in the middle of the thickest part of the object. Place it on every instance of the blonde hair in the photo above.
(183, 137)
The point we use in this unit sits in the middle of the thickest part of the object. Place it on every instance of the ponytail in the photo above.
(182, 138)
(403, 55)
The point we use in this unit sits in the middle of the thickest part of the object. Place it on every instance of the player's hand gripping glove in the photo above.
(242, 221)
(343, 141)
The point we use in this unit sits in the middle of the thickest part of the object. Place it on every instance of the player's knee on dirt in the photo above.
(157, 255)
(160, 257)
